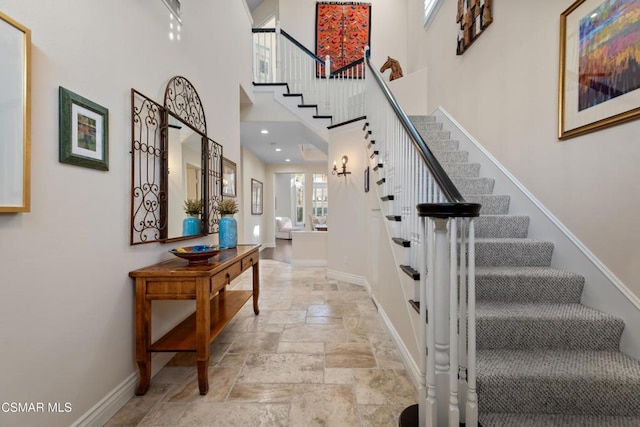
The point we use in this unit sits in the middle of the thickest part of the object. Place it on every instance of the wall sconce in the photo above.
(344, 172)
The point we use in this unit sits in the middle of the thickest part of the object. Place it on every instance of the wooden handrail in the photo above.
(446, 185)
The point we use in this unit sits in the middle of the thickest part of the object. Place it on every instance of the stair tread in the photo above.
(502, 226)
(491, 216)
(491, 203)
(518, 251)
(541, 311)
(528, 284)
(536, 365)
(594, 382)
(545, 325)
(525, 271)
(510, 240)
(556, 420)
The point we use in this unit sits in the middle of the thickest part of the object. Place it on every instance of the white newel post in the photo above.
(431, 410)
(441, 300)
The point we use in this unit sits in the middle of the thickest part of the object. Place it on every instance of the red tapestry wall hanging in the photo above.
(342, 31)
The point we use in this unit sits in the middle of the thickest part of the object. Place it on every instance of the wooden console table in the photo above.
(174, 279)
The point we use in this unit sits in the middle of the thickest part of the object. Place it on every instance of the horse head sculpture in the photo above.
(396, 70)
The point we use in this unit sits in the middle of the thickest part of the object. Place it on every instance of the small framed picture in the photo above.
(228, 178)
(83, 131)
(366, 180)
(256, 197)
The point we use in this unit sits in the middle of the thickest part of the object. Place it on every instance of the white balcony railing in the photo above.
(279, 58)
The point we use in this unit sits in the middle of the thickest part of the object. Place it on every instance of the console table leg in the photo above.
(256, 286)
(143, 336)
(144, 376)
(203, 376)
(203, 325)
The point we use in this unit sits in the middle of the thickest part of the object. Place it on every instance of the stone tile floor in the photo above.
(317, 355)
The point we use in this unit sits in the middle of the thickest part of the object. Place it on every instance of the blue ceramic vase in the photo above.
(228, 232)
(191, 226)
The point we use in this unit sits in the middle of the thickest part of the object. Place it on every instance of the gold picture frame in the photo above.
(596, 83)
(15, 118)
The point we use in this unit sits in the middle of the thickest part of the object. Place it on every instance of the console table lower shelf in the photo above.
(223, 307)
(215, 306)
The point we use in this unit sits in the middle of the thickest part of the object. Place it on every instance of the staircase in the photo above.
(543, 359)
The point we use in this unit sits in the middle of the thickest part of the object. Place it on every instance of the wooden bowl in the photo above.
(198, 254)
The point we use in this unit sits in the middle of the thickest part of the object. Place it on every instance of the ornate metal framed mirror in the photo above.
(176, 169)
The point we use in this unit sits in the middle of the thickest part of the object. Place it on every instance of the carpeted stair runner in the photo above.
(544, 360)
(556, 420)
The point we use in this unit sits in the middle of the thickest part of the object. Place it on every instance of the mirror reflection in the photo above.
(15, 45)
(184, 180)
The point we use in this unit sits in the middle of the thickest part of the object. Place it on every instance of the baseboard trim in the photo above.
(346, 277)
(109, 405)
(309, 262)
(410, 364)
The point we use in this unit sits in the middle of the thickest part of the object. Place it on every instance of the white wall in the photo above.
(66, 301)
(349, 208)
(504, 90)
(252, 228)
(388, 27)
(309, 248)
(264, 12)
(410, 91)
(282, 194)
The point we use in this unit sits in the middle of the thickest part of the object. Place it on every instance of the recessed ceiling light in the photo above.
(287, 160)
(264, 131)
(278, 149)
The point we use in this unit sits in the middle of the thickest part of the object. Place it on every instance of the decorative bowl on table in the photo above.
(198, 254)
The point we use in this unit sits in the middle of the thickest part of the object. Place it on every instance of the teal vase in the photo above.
(228, 232)
(191, 226)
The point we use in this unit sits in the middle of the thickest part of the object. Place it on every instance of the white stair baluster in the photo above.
(472, 397)
(432, 403)
(454, 414)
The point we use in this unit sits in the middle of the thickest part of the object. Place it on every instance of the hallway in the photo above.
(281, 252)
(317, 355)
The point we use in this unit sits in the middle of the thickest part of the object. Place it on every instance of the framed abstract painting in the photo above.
(599, 84)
